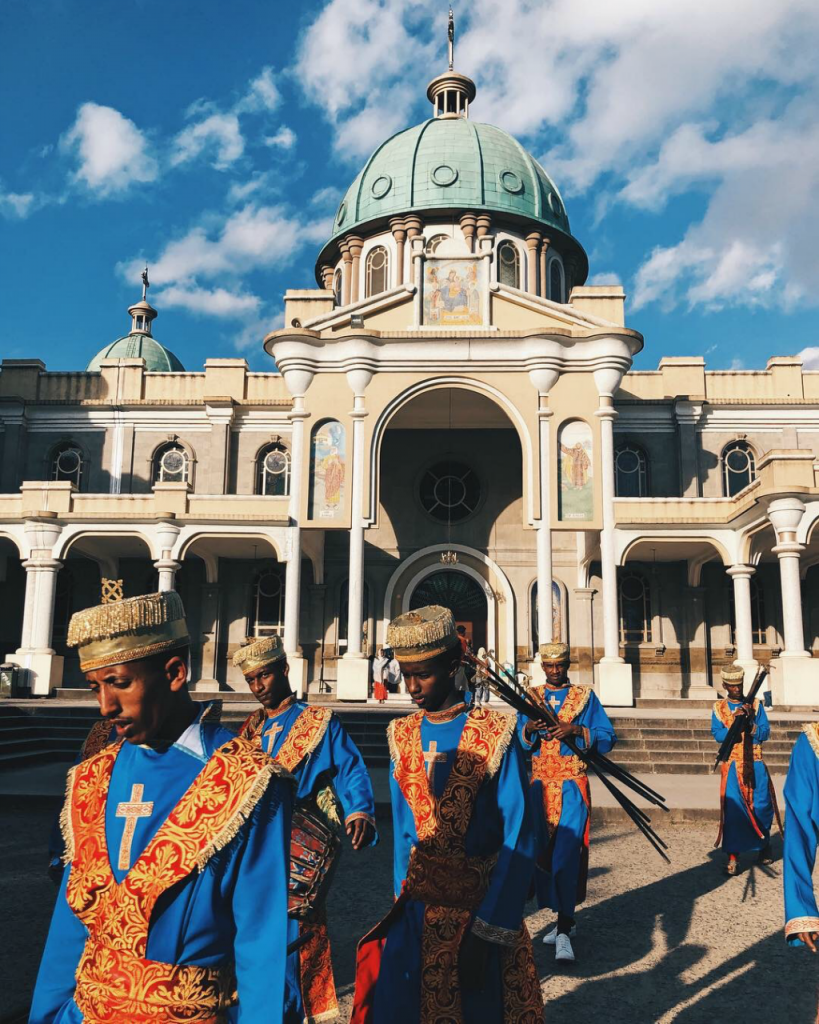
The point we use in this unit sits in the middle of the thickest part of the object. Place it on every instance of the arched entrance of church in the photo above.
(462, 595)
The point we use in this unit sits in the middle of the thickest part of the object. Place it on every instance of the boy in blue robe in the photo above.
(747, 798)
(801, 838)
(560, 790)
(454, 947)
(177, 834)
(311, 743)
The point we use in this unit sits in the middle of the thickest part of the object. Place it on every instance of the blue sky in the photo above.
(214, 140)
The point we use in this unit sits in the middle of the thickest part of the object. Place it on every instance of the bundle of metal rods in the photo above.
(603, 768)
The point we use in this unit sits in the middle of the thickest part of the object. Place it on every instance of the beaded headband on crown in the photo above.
(260, 653)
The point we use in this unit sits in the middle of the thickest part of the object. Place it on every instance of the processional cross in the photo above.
(272, 733)
(131, 810)
(431, 758)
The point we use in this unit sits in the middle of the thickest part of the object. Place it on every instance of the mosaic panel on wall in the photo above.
(575, 458)
(327, 470)
(454, 292)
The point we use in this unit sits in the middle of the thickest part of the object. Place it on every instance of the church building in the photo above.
(450, 416)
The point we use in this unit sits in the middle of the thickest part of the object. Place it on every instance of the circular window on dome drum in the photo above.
(556, 205)
(450, 491)
(381, 186)
(511, 182)
(444, 175)
(342, 213)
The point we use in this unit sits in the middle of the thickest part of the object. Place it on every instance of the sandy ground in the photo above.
(655, 943)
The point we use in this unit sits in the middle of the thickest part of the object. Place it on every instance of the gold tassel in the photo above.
(109, 620)
(502, 745)
(66, 826)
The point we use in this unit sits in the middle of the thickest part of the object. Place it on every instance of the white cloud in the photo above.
(262, 94)
(285, 138)
(17, 205)
(327, 197)
(809, 357)
(112, 153)
(218, 134)
(210, 302)
(605, 277)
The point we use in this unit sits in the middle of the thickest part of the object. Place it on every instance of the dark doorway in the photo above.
(462, 595)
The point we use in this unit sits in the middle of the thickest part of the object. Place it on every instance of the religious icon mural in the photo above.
(576, 493)
(454, 292)
(327, 470)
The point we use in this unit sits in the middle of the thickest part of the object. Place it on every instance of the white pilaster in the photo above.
(353, 669)
(615, 681)
(741, 575)
(292, 583)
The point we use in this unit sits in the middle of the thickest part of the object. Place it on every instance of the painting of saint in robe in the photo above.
(454, 292)
(333, 469)
(327, 471)
(576, 493)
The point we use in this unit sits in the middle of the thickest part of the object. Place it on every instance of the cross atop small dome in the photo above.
(142, 312)
(451, 93)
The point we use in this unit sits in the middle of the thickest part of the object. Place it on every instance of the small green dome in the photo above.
(452, 163)
(158, 359)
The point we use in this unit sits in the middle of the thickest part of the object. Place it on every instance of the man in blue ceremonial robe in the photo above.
(560, 790)
(801, 838)
(311, 743)
(454, 947)
(747, 797)
(173, 903)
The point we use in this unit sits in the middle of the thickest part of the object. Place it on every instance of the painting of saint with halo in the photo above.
(454, 293)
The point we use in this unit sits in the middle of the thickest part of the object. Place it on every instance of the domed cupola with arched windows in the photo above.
(140, 343)
(452, 169)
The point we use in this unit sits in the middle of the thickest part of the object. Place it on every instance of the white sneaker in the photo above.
(563, 949)
(550, 938)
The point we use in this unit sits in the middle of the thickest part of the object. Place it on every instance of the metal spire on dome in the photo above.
(142, 312)
(451, 93)
(146, 284)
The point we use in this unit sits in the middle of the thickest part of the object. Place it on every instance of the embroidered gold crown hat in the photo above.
(423, 633)
(262, 652)
(733, 674)
(122, 631)
(555, 652)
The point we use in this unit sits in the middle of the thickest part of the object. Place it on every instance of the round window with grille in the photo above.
(450, 491)
(173, 463)
(275, 462)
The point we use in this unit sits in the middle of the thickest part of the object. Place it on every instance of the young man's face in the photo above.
(556, 672)
(431, 682)
(270, 684)
(137, 697)
(734, 691)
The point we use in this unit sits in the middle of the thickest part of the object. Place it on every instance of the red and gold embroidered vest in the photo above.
(115, 981)
(305, 734)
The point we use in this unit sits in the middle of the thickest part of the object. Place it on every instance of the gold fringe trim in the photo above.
(232, 827)
(327, 803)
(106, 621)
(66, 826)
(502, 745)
(326, 715)
(812, 732)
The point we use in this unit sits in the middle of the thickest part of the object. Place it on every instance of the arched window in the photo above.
(273, 470)
(433, 244)
(556, 281)
(378, 271)
(67, 463)
(759, 632)
(267, 603)
(635, 609)
(509, 264)
(630, 472)
(337, 287)
(738, 467)
(171, 464)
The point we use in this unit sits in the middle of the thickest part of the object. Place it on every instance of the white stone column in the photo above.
(210, 622)
(353, 669)
(166, 565)
(615, 682)
(43, 576)
(795, 679)
(741, 575)
(544, 380)
(292, 582)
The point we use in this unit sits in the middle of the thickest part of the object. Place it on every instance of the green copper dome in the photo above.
(158, 359)
(452, 163)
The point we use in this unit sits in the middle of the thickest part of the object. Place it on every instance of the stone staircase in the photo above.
(673, 742)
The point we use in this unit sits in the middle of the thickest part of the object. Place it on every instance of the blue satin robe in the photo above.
(235, 909)
(801, 837)
(338, 759)
(501, 823)
(738, 834)
(557, 887)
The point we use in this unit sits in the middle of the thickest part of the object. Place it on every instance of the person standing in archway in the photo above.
(560, 790)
